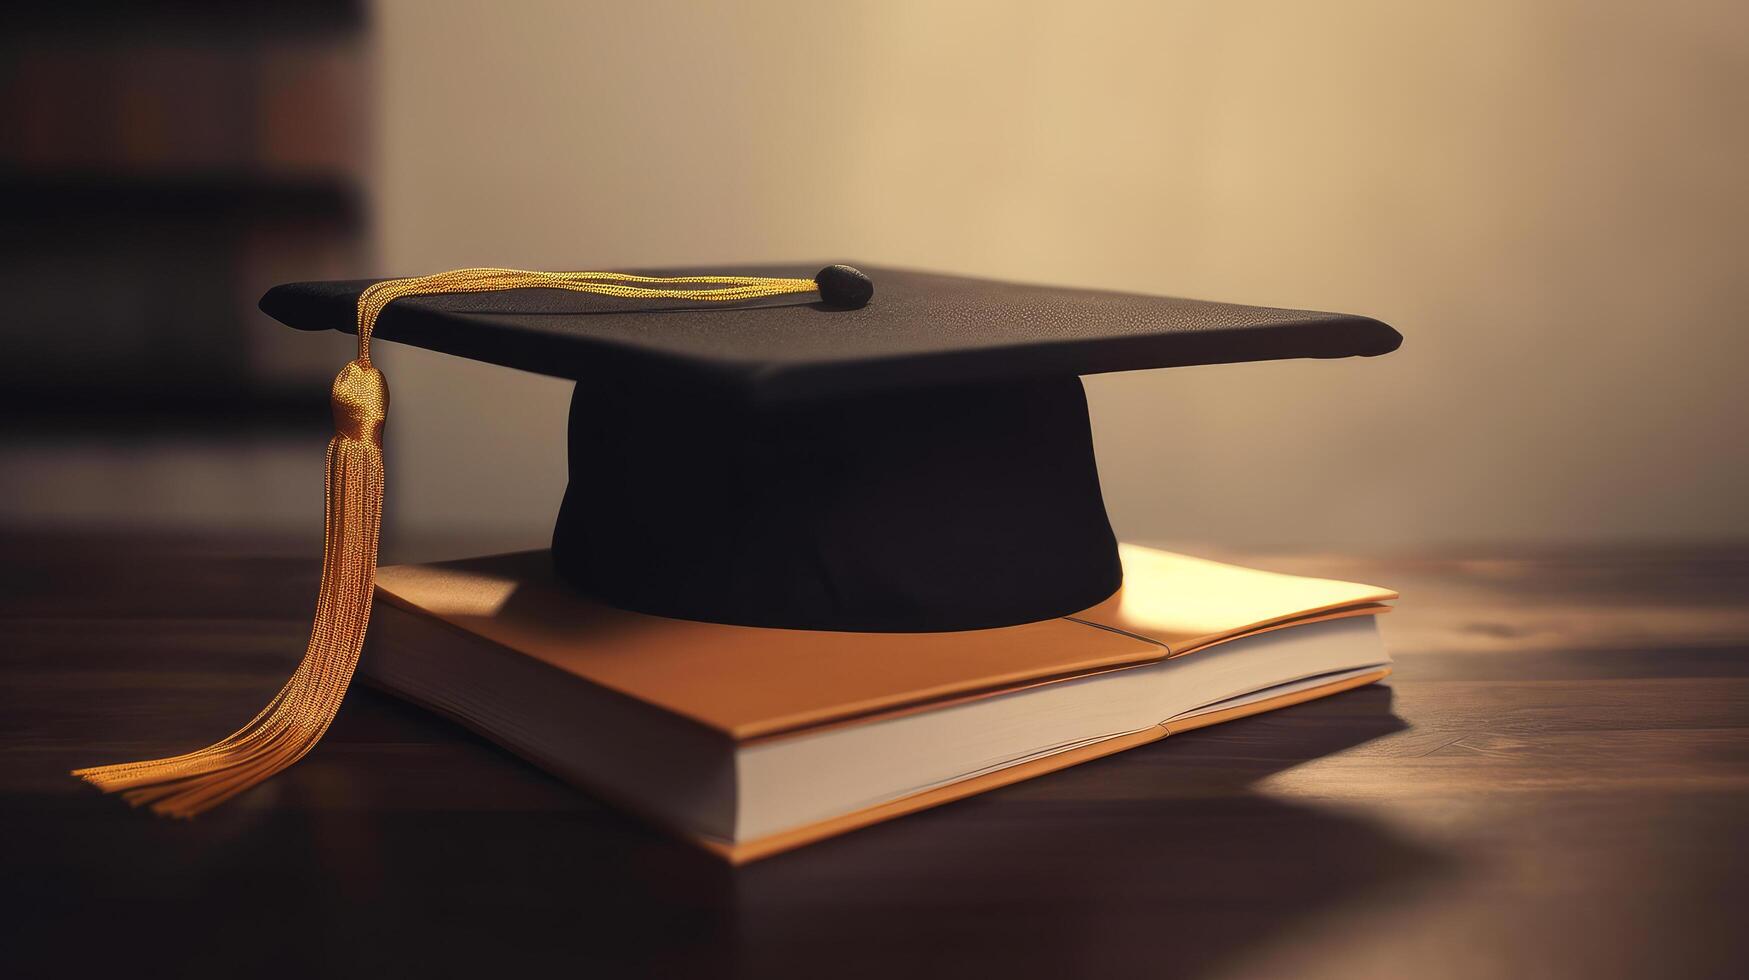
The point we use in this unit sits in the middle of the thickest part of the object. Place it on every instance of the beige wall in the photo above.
(1548, 198)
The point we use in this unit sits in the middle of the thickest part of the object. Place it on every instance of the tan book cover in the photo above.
(754, 684)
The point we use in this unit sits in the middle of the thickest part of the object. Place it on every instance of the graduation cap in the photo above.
(896, 451)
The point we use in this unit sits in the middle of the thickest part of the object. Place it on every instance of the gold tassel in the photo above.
(295, 720)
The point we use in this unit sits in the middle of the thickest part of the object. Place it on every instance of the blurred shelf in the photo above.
(182, 196)
(170, 481)
(160, 166)
(206, 408)
(131, 21)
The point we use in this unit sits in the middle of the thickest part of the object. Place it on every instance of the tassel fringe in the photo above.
(297, 717)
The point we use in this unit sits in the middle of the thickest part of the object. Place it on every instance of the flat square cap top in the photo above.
(921, 329)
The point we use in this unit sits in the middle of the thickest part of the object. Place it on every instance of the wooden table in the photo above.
(1553, 784)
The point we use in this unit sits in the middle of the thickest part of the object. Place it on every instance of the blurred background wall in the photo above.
(1548, 199)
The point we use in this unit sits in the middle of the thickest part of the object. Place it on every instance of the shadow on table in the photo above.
(1156, 862)
(459, 859)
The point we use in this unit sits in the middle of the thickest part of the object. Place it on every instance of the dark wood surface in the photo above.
(1555, 783)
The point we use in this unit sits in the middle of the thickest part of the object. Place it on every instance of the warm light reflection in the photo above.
(1174, 599)
(452, 592)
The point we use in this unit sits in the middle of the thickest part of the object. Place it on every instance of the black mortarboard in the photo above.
(769, 447)
(921, 462)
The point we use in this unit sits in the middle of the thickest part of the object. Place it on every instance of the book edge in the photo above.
(966, 697)
(746, 852)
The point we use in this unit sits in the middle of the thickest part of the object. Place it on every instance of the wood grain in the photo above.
(1554, 783)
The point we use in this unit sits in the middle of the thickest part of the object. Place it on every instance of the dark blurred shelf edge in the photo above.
(182, 196)
(104, 19)
(214, 407)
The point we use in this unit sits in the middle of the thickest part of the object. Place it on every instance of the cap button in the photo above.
(844, 287)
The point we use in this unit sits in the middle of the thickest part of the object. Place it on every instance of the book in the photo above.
(754, 740)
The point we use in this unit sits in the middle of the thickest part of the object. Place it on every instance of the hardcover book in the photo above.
(753, 740)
